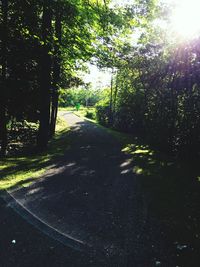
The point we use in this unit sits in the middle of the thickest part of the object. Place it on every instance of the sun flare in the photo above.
(186, 18)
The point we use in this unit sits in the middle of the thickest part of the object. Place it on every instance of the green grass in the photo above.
(66, 108)
(21, 171)
(82, 112)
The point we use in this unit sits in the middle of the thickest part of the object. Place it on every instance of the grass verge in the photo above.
(85, 112)
(20, 171)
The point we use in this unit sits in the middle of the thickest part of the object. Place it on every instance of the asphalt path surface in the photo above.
(92, 202)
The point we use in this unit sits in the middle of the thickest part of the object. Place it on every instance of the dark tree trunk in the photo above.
(111, 101)
(56, 72)
(115, 95)
(3, 128)
(45, 77)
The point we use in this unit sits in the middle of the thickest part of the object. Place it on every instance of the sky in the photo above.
(98, 78)
(121, 2)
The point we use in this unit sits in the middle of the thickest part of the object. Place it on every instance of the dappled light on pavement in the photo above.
(93, 196)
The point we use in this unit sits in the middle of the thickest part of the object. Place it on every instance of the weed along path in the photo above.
(92, 201)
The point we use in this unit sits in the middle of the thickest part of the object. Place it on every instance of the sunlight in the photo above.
(185, 18)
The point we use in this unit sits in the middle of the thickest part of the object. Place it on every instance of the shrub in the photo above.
(102, 114)
(90, 115)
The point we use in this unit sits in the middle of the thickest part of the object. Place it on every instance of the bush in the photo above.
(90, 115)
(102, 114)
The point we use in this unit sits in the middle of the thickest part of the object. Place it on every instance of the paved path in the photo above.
(93, 199)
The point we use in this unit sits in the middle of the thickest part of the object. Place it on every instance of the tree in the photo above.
(42, 52)
(56, 68)
(3, 98)
(45, 76)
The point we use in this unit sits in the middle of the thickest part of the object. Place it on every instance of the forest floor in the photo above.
(119, 204)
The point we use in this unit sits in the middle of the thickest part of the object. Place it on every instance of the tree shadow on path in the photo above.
(96, 195)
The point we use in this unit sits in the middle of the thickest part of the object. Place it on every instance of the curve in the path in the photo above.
(92, 201)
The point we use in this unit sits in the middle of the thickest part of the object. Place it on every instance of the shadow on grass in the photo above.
(25, 169)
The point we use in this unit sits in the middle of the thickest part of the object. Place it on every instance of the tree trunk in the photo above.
(56, 73)
(45, 77)
(3, 127)
(111, 101)
(115, 95)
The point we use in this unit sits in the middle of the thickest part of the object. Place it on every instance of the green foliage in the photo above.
(102, 114)
(22, 170)
(87, 112)
(84, 96)
(90, 114)
(103, 108)
(157, 96)
(44, 44)
(155, 85)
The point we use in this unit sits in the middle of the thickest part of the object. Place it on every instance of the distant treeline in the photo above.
(82, 96)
